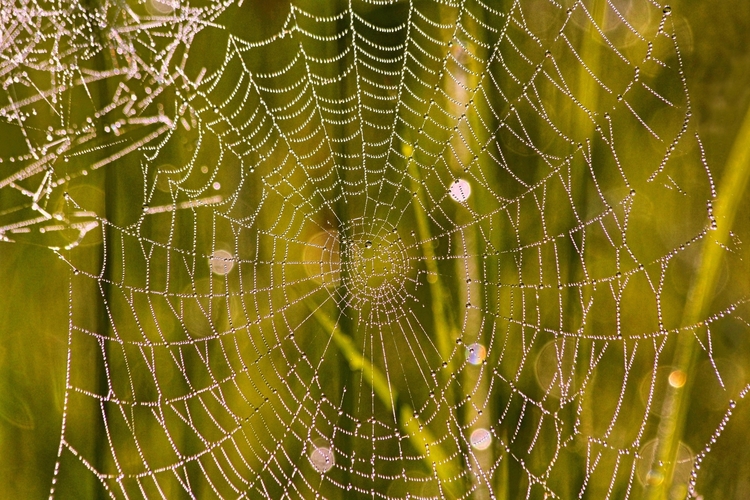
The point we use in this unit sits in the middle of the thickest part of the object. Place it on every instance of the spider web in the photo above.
(377, 249)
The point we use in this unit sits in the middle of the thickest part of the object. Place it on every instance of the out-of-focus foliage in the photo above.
(318, 278)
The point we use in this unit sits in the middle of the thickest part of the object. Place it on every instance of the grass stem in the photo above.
(732, 188)
(435, 457)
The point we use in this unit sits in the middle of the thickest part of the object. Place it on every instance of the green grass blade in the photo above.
(435, 457)
(439, 305)
(732, 189)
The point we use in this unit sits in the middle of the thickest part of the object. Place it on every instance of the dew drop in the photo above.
(480, 439)
(221, 262)
(475, 353)
(677, 379)
(322, 459)
(460, 190)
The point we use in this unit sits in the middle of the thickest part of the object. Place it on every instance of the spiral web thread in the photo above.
(377, 249)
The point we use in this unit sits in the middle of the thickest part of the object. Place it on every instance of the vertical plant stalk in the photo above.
(442, 321)
(112, 188)
(442, 324)
(672, 425)
(589, 95)
(342, 210)
(500, 484)
(476, 380)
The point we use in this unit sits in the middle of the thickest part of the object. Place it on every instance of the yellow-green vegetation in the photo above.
(487, 249)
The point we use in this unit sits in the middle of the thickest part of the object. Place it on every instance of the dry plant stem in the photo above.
(731, 190)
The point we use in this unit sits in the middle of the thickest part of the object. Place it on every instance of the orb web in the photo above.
(363, 249)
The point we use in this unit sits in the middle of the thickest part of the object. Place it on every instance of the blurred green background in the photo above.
(714, 38)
